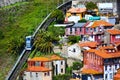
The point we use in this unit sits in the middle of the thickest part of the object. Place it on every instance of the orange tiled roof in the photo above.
(44, 59)
(88, 44)
(76, 10)
(101, 23)
(106, 47)
(113, 31)
(117, 43)
(90, 71)
(117, 75)
(38, 69)
(56, 57)
(104, 54)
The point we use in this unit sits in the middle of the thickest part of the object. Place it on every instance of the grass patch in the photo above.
(19, 20)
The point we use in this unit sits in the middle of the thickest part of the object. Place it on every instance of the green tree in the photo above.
(91, 6)
(58, 14)
(43, 42)
(56, 31)
(82, 20)
(77, 65)
(73, 39)
(69, 70)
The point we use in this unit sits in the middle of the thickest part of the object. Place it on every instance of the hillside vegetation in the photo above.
(16, 22)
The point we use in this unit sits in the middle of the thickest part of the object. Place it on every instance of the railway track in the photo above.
(13, 74)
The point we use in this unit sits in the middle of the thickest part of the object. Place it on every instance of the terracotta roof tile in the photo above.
(38, 69)
(104, 54)
(56, 57)
(47, 58)
(88, 44)
(76, 10)
(101, 23)
(117, 75)
(43, 59)
(90, 71)
(106, 47)
(113, 31)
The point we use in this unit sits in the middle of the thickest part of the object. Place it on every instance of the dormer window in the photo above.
(113, 50)
(109, 50)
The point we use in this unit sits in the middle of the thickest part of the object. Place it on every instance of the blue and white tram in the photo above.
(29, 42)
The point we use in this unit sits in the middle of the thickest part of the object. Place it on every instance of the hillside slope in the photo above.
(16, 22)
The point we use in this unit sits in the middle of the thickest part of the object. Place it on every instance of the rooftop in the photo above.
(43, 59)
(76, 10)
(113, 31)
(38, 69)
(104, 54)
(56, 57)
(90, 71)
(78, 24)
(101, 23)
(117, 75)
(47, 58)
(88, 44)
(106, 47)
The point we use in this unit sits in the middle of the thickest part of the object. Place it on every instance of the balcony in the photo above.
(117, 40)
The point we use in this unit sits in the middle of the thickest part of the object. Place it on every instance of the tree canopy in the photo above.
(43, 42)
(82, 20)
(91, 6)
(73, 39)
(58, 14)
(77, 65)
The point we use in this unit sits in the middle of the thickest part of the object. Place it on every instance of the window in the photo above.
(111, 76)
(37, 63)
(91, 29)
(110, 67)
(74, 50)
(100, 29)
(80, 29)
(61, 70)
(115, 66)
(86, 29)
(36, 74)
(61, 62)
(75, 29)
(48, 73)
(105, 76)
(99, 37)
(70, 30)
(95, 29)
(30, 74)
(105, 68)
(45, 74)
(117, 36)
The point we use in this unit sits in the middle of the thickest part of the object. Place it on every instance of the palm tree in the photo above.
(43, 42)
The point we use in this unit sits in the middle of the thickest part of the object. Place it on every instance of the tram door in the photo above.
(28, 42)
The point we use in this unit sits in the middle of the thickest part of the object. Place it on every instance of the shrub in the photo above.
(82, 20)
(62, 77)
(74, 39)
(77, 65)
(91, 6)
(58, 14)
(1, 35)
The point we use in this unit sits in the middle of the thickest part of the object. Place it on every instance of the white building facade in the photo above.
(74, 51)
